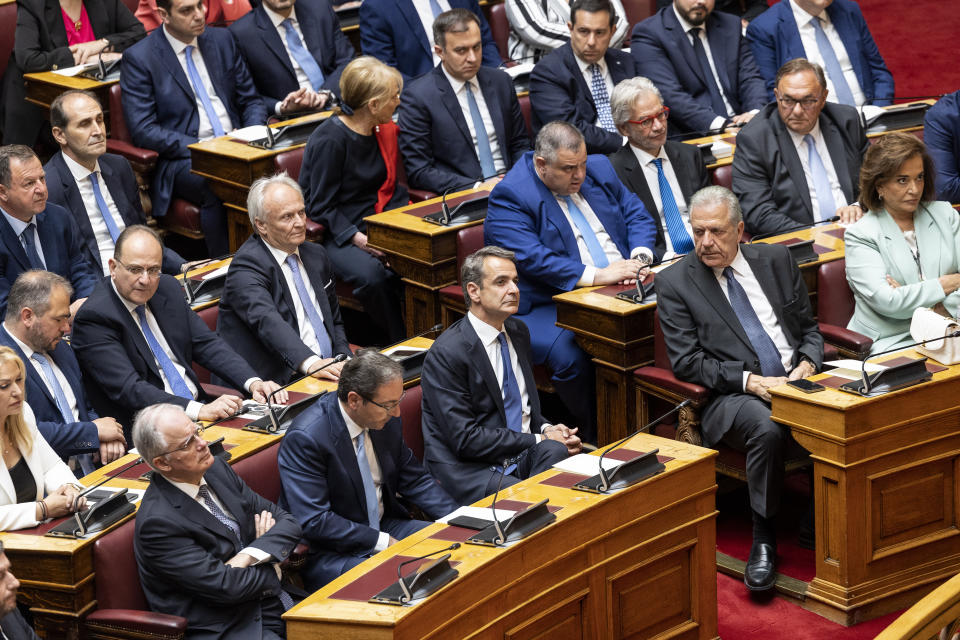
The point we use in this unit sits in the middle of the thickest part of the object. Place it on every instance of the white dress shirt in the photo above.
(100, 231)
(19, 226)
(717, 122)
(809, 41)
(653, 183)
(425, 13)
(57, 372)
(758, 300)
(459, 90)
(804, 152)
(302, 80)
(356, 431)
(307, 335)
(205, 131)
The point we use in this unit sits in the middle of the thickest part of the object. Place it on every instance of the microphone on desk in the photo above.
(437, 328)
(867, 384)
(799, 227)
(407, 593)
(446, 213)
(274, 420)
(106, 478)
(520, 525)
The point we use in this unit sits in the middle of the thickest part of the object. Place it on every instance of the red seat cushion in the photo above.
(117, 582)
(182, 217)
(723, 176)
(261, 472)
(410, 419)
(453, 293)
(500, 29)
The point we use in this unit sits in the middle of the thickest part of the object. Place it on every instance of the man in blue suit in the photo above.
(34, 233)
(342, 464)
(571, 223)
(181, 84)
(941, 134)
(461, 122)
(293, 49)
(704, 68)
(38, 316)
(574, 82)
(400, 33)
(97, 188)
(831, 33)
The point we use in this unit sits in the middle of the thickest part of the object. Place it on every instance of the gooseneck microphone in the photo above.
(867, 383)
(800, 227)
(407, 594)
(274, 421)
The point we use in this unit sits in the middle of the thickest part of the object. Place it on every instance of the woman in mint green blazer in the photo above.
(904, 253)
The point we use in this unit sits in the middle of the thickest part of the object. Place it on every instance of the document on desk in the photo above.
(76, 70)
(482, 513)
(585, 464)
(850, 369)
(216, 273)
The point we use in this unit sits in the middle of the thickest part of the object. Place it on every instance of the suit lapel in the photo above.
(409, 13)
(52, 16)
(343, 445)
(271, 38)
(175, 336)
(838, 155)
(193, 511)
(703, 279)
(790, 33)
(233, 504)
(849, 37)
(75, 201)
(480, 362)
(681, 169)
(636, 181)
(70, 369)
(133, 327)
(311, 28)
(215, 67)
(12, 243)
(452, 105)
(791, 158)
(169, 58)
(718, 49)
(570, 60)
(615, 67)
(32, 373)
(522, 345)
(681, 42)
(496, 114)
(49, 238)
(894, 247)
(930, 242)
(277, 275)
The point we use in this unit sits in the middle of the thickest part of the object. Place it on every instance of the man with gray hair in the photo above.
(663, 173)
(279, 307)
(343, 463)
(207, 546)
(571, 223)
(736, 319)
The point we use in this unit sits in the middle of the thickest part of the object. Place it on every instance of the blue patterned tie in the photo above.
(766, 350)
(834, 71)
(678, 232)
(85, 460)
(435, 8)
(589, 237)
(316, 322)
(201, 91)
(104, 210)
(716, 98)
(598, 87)
(821, 179)
(30, 246)
(369, 490)
(177, 384)
(484, 153)
(302, 55)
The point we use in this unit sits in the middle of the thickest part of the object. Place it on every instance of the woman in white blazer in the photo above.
(904, 253)
(31, 471)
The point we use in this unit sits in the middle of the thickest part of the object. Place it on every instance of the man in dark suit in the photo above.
(307, 52)
(181, 84)
(38, 316)
(12, 624)
(941, 134)
(400, 33)
(699, 60)
(747, 10)
(663, 174)
(798, 161)
(138, 340)
(831, 33)
(97, 188)
(34, 233)
(342, 464)
(279, 308)
(207, 546)
(571, 223)
(461, 122)
(480, 402)
(737, 320)
(574, 82)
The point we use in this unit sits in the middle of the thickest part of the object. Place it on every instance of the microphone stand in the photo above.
(274, 420)
(902, 375)
(424, 582)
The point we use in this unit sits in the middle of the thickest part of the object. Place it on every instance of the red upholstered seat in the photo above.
(410, 419)
(525, 110)
(209, 316)
(638, 10)
(500, 29)
(182, 218)
(469, 239)
(261, 472)
(291, 162)
(835, 308)
(8, 26)
(723, 176)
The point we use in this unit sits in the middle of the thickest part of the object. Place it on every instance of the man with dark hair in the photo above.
(343, 463)
(746, 10)
(537, 27)
(798, 161)
(480, 402)
(12, 624)
(34, 233)
(574, 82)
(97, 188)
(460, 123)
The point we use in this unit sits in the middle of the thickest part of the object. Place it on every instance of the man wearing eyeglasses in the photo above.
(798, 161)
(343, 463)
(139, 339)
(663, 174)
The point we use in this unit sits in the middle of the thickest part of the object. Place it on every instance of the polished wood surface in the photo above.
(206, 267)
(639, 563)
(43, 87)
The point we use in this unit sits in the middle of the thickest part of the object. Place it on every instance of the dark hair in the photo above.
(32, 289)
(21, 152)
(58, 118)
(799, 65)
(472, 269)
(453, 21)
(366, 372)
(592, 6)
(884, 159)
(132, 230)
(165, 5)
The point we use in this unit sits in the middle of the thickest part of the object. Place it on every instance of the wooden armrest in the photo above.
(135, 624)
(846, 339)
(665, 379)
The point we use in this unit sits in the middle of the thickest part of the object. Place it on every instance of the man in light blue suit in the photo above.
(831, 33)
(571, 223)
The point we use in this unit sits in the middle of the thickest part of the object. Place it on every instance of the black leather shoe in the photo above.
(760, 572)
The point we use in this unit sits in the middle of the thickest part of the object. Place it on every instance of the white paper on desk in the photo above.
(850, 369)
(478, 512)
(585, 464)
(402, 347)
(721, 149)
(249, 134)
(870, 113)
(216, 273)
(77, 70)
(517, 70)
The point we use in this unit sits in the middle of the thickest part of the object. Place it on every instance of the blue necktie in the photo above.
(716, 99)
(177, 384)
(678, 232)
(484, 153)
(512, 402)
(598, 87)
(104, 210)
(369, 490)
(821, 179)
(844, 94)
(593, 245)
(766, 350)
(319, 330)
(84, 460)
(30, 246)
(303, 57)
(201, 91)
(435, 8)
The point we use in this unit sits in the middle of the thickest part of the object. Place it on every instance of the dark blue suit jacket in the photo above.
(62, 253)
(391, 31)
(775, 39)
(66, 439)
(16, 628)
(664, 54)
(524, 216)
(941, 133)
(121, 183)
(258, 319)
(438, 151)
(558, 91)
(267, 58)
(161, 109)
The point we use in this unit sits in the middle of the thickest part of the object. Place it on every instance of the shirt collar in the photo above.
(645, 158)
(178, 45)
(129, 305)
(803, 17)
(352, 427)
(19, 226)
(601, 63)
(79, 172)
(798, 138)
(486, 333)
(279, 255)
(739, 265)
(686, 26)
(276, 18)
(27, 350)
(192, 490)
(457, 85)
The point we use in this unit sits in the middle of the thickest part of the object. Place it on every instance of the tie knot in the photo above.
(728, 273)
(292, 260)
(286, 24)
(188, 50)
(810, 141)
(695, 32)
(141, 311)
(93, 177)
(658, 162)
(502, 339)
(39, 357)
(203, 493)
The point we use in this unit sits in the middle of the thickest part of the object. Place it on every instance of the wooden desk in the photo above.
(637, 563)
(199, 271)
(887, 488)
(44, 87)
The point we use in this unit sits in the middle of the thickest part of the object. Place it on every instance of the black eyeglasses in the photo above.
(136, 270)
(186, 445)
(790, 104)
(389, 406)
